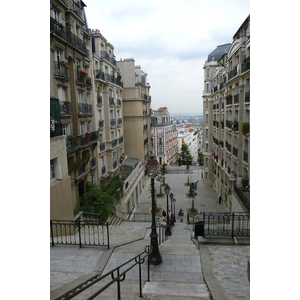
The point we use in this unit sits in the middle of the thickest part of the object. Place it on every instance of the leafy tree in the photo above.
(185, 155)
(97, 199)
(201, 159)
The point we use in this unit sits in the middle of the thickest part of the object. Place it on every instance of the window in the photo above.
(89, 126)
(82, 128)
(80, 97)
(52, 170)
(207, 72)
(207, 87)
(112, 136)
(206, 118)
(206, 103)
(66, 129)
(96, 65)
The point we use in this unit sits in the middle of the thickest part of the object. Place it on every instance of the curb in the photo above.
(213, 285)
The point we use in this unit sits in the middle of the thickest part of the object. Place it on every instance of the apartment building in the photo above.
(226, 117)
(107, 90)
(136, 110)
(71, 84)
(164, 137)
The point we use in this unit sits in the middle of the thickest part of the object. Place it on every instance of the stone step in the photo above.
(175, 290)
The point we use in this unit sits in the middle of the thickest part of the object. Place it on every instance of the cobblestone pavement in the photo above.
(229, 264)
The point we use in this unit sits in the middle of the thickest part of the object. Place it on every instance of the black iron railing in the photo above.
(121, 139)
(120, 120)
(65, 108)
(223, 224)
(93, 162)
(89, 233)
(232, 73)
(101, 124)
(112, 122)
(57, 130)
(61, 70)
(67, 35)
(102, 146)
(114, 143)
(242, 196)
(118, 275)
(247, 96)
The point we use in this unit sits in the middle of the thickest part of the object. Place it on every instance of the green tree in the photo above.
(185, 156)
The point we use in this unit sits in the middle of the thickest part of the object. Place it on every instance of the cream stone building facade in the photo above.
(188, 136)
(226, 119)
(87, 142)
(164, 137)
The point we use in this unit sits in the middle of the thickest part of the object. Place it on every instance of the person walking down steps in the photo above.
(180, 215)
(220, 199)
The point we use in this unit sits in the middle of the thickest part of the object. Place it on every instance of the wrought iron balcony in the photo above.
(120, 121)
(93, 163)
(115, 164)
(102, 147)
(245, 67)
(112, 79)
(57, 130)
(119, 103)
(144, 112)
(121, 140)
(114, 143)
(77, 7)
(247, 96)
(59, 30)
(228, 124)
(88, 81)
(215, 88)
(81, 169)
(99, 100)
(101, 124)
(111, 100)
(65, 108)
(112, 122)
(235, 151)
(232, 73)
(61, 70)
(236, 99)
(228, 146)
(99, 74)
(85, 109)
(103, 170)
(245, 156)
(74, 142)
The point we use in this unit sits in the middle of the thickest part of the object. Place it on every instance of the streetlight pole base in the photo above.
(154, 257)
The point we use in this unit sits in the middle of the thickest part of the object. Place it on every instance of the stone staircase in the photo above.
(179, 276)
(113, 220)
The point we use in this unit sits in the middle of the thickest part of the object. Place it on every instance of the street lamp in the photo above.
(174, 201)
(168, 229)
(172, 213)
(154, 257)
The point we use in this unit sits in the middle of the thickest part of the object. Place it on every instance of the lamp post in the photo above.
(174, 201)
(168, 229)
(154, 257)
(172, 213)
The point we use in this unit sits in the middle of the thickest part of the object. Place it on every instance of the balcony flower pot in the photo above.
(82, 73)
(245, 128)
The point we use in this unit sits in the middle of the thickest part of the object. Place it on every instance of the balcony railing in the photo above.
(103, 170)
(65, 108)
(232, 73)
(77, 8)
(81, 169)
(99, 74)
(81, 140)
(101, 124)
(235, 151)
(236, 99)
(61, 70)
(228, 124)
(121, 139)
(120, 121)
(105, 55)
(57, 130)
(99, 100)
(84, 109)
(112, 122)
(114, 143)
(115, 164)
(102, 147)
(93, 163)
(111, 100)
(228, 146)
(247, 96)
(67, 35)
(245, 67)
(118, 102)
(245, 156)
(112, 79)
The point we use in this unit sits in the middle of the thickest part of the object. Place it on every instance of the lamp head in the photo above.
(167, 190)
(152, 166)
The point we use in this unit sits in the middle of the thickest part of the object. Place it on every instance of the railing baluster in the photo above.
(232, 233)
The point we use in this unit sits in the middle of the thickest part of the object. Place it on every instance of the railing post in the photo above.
(51, 233)
(140, 277)
(203, 224)
(79, 234)
(107, 235)
(232, 232)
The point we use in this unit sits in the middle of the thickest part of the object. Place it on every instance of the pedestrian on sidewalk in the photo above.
(180, 215)
(220, 198)
(164, 215)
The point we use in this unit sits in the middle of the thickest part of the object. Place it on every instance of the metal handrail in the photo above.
(119, 277)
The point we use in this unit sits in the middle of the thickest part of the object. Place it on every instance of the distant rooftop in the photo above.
(218, 52)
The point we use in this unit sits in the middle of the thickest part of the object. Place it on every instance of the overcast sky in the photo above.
(170, 40)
